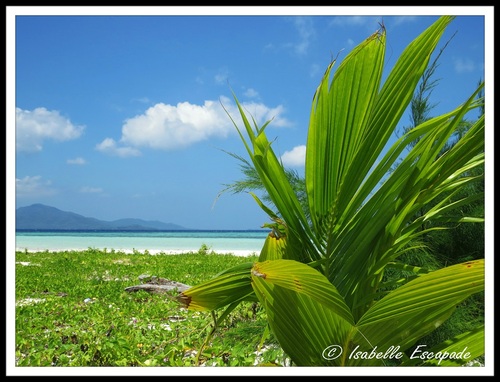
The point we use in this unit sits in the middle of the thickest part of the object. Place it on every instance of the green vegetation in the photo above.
(351, 269)
(72, 310)
(357, 270)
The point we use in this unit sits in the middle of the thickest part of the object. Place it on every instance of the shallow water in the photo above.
(154, 242)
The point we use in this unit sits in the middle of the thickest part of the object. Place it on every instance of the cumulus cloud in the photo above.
(260, 112)
(78, 161)
(295, 157)
(109, 146)
(33, 127)
(169, 127)
(33, 186)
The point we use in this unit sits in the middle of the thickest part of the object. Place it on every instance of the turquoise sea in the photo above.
(237, 242)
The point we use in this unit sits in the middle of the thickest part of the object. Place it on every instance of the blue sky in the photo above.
(118, 115)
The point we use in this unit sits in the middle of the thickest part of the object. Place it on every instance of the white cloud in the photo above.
(78, 161)
(251, 93)
(368, 22)
(261, 113)
(464, 65)
(33, 127)
(168, 127)
(109, 146)
(294, 158)
(304, 26)
(33, 186)
(221, 77)
(91, 190)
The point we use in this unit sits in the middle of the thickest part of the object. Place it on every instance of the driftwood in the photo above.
(154, 284)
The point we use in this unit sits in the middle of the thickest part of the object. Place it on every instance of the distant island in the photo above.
(39, 217)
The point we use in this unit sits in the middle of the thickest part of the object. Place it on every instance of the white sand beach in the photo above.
(154, 243)
(236, 252)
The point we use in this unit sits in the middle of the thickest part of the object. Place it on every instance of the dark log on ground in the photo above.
(157, 285)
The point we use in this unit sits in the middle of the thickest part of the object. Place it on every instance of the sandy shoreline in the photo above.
(243, 253)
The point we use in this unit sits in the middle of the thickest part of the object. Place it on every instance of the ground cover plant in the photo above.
(72, 310)
(329, 275)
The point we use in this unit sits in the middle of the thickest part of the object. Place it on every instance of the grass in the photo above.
(72, 310)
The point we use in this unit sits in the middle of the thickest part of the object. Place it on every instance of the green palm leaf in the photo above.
(230, 286)
(457, 351)
(320, 274)
(308, 315)
(420, 306)
(305, 311)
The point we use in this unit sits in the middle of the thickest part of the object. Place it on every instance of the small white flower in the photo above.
(166, 327)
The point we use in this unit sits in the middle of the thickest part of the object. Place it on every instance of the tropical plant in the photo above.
(321, 279)
(420, 106)
(251, 183)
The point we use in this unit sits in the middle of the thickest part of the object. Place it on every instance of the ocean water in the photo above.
(237, 242)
